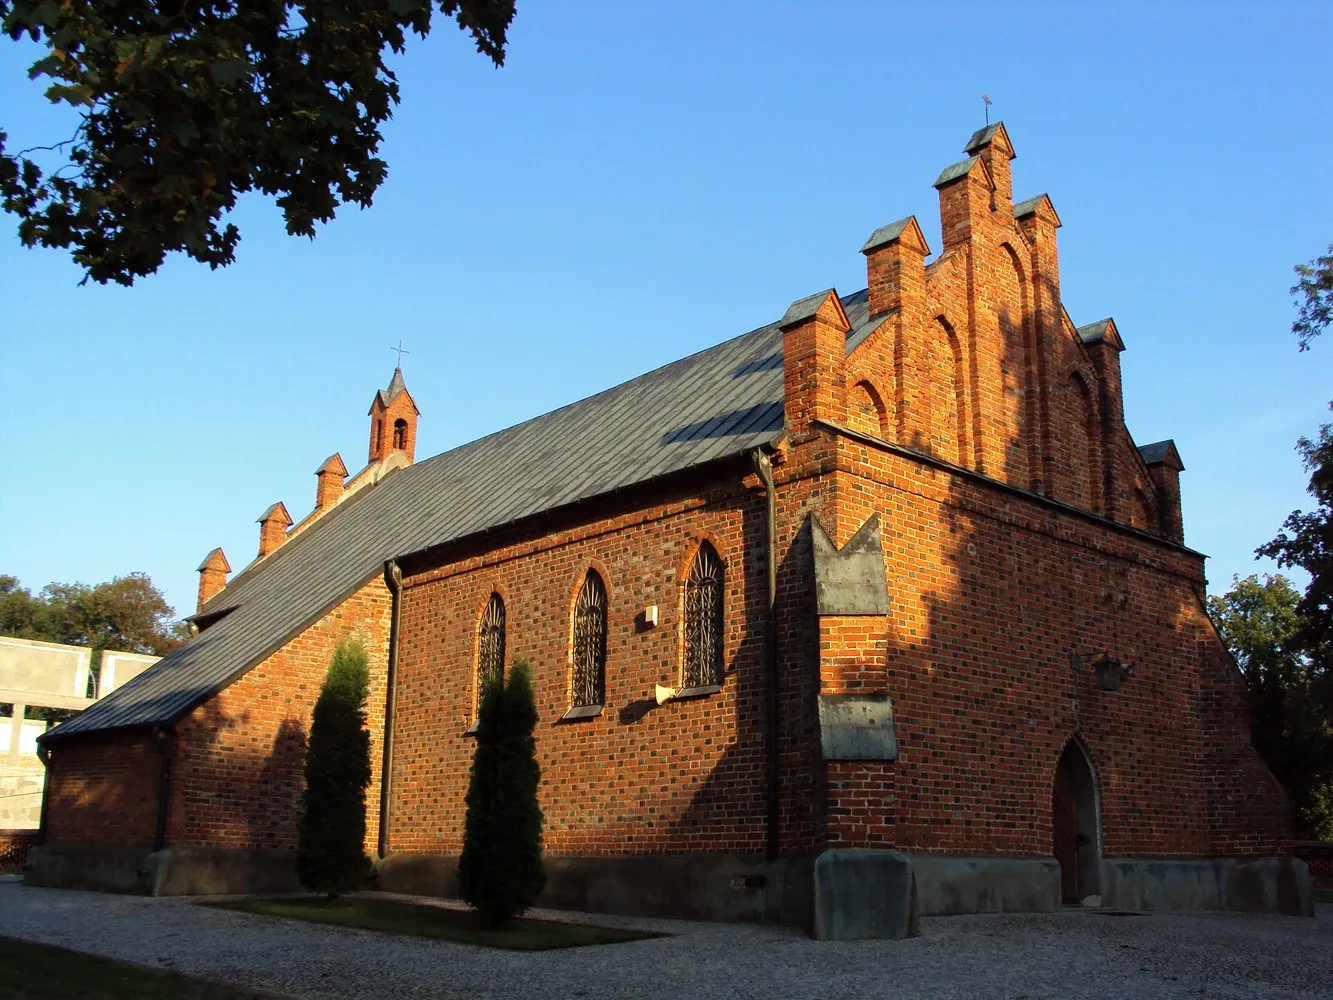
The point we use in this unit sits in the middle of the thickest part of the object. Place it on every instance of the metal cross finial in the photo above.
(985, 99)
(401, 352)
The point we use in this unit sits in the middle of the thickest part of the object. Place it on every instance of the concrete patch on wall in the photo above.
(857, 727)
(949, 884)
(850, 581)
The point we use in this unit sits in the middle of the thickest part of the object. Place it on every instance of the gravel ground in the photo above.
(1066, 955)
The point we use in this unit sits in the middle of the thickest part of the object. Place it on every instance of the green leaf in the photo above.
(75, 94)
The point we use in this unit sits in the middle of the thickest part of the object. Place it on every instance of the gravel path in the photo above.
(1065, 955)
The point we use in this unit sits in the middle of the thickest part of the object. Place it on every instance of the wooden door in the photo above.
(1065, 828)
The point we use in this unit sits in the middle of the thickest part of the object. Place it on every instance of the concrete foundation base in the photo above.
(176, 871)
(1264, 885)
(862, 894)
(729, 887)
(949, 884)
(838, 895)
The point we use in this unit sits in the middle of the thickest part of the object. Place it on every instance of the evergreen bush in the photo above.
(500, 873)
(330, 854)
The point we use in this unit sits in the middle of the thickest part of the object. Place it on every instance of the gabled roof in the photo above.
(277, 510)
(216, 559)
(1162, 453)
(1103, 329)
(1030, 206)
(333, 464)
(396, 388)
(895, 231)
(960, 169)
(983, 137)
(716, 404)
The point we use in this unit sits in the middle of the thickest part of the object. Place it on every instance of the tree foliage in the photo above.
(1307, 541)
(1314, 293)
(330, 854)
(185, 106)
(126, 613)
(500, 872)
(1290, 693)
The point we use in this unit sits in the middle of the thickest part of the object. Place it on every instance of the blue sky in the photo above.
(642, 181)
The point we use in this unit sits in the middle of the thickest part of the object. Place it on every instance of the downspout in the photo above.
(44, 755)
(165, 739)
(393, 577)
(763, 466)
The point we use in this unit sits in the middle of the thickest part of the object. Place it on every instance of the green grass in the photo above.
(434, 922)
(1323, 895)
(40, 972)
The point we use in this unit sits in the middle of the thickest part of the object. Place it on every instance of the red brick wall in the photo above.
(237, 777)
(685, 776)
(989, 592)
(14, 847)
(103, 789)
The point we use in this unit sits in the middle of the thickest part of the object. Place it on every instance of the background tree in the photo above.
(500, 872)
(330, 854)
(185, 106)
(21, 614)
(1307, 541)
(1314, 292)
(1290, 693)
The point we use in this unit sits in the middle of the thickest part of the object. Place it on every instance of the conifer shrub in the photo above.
(330, 853)
(500, 873)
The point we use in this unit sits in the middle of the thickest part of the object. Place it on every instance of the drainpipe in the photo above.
(44, 755)
(393, 577)
(763, 465)
(165, 739)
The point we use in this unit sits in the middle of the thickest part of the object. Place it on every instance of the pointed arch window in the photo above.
(589, 682)
(490, 644)
(703, 621)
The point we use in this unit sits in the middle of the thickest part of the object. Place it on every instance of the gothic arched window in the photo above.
(400, 434)
(490, 645)
(589, 685)
(703, 621)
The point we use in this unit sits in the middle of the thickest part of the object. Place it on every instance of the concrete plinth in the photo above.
(729, 887)
(1263, 885)
(176, 871)
(862, 894)
(949, 884)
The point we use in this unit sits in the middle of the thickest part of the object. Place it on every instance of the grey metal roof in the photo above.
(717, 403)
(273, 511)
(885, 234)
(955, 171)
(1161, 451)
(1027, 206)
(802, 309)
(1094, 333)
(982, 137)
(396, 388)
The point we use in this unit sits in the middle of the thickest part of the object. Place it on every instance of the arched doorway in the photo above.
(1075, 826)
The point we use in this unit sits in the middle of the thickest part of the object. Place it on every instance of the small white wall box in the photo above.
(650, 616)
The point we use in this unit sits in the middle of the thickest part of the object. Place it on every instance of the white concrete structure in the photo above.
(45, 675)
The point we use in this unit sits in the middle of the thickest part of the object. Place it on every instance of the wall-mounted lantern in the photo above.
(1108, 673)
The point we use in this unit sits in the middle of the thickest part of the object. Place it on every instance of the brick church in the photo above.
(875, 610)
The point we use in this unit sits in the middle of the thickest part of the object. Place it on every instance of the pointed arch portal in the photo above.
(1076, 825)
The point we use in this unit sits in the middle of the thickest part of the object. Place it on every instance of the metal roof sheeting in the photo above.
(717, 403)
